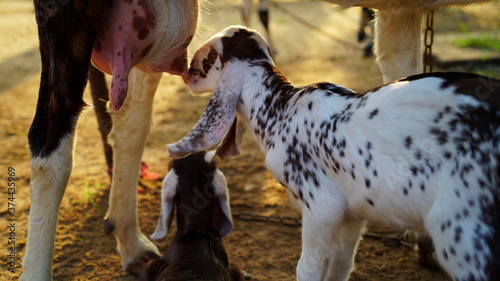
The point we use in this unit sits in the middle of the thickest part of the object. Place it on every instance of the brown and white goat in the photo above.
(132, 40)
(197, 192)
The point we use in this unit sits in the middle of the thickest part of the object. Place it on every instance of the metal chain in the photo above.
(429, 39)
(287, 221)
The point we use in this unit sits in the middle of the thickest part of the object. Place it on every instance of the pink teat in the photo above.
(125, 40)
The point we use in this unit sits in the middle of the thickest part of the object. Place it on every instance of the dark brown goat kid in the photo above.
(197, 190)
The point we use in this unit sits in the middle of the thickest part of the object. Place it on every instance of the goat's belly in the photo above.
(124, 37)
(395, 212)
(130, 35)
(133, 34)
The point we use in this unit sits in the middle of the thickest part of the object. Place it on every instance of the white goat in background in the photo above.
(397, 31)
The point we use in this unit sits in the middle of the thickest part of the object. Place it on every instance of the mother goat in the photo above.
(132, 40)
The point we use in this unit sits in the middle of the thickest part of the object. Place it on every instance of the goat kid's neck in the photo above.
(268, 99)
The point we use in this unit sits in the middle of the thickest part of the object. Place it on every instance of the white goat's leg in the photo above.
(246, 11)
(345, 249)
(131, 126)
(49, 177)
(264, 19)
(397, 43)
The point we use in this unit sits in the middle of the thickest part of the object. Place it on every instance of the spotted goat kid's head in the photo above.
(219, 67)
(235, 43)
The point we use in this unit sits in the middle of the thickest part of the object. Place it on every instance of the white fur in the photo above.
(49, 177)
(168, 192)
(168, 36)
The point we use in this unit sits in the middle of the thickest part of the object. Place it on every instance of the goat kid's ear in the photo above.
(213, 124)
(231, 144)
(168, 192)
(224, 223)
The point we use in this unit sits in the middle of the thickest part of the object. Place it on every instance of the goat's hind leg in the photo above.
(130, 129)
(461, 246)
(100, 97)
(398, 50)
(246, 10)
(65, 56)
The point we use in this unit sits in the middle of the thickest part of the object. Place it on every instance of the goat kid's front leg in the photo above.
(344, 246)
(321, 247)
(317, 253)
(246, 9)
(131, 126)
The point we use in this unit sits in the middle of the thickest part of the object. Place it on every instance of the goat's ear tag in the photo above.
(231, 144)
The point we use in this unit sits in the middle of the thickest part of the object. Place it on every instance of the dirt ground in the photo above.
(265, 250)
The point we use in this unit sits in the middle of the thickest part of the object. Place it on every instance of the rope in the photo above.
(389, 239)
(312, 26)
(308, 24)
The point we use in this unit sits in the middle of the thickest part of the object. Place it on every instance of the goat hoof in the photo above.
(137, 267)
(109, 227)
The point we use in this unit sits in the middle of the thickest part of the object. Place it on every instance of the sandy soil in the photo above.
(266, 251)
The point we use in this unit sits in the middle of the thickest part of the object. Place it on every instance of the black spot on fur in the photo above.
(242, 47)
(408, 142)
(458, 234)
(209, 61)
(373, 114)
(441, 136)
(447, 154)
